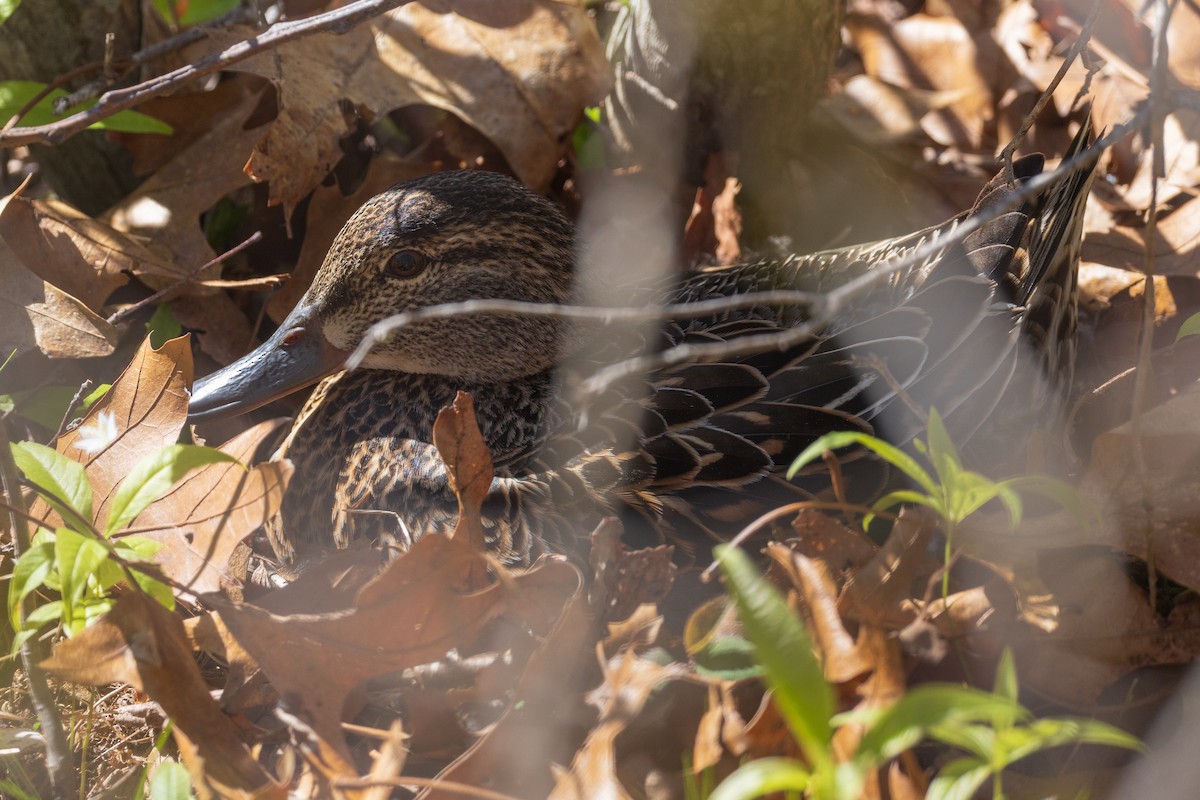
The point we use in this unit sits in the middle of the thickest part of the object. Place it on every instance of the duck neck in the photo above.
(403, 406)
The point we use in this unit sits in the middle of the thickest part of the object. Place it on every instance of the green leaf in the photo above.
(1190, 327)
(978, 740)
(1057, 731)
(803, 697)
(47, 406)
(153, 476)
(968, 492)
(78, 558)
(50, 612)
(764, 776)
(958, 780)
(1056, 490)
(162, 326)
(139, 548)
(942, 452)
(29, 573)
(729, 658)
(901, 496)
(170, 782)
(60, 480)
(14, 95)
(1006, 676)
(7, 7)
(890, 453)
(903, 725)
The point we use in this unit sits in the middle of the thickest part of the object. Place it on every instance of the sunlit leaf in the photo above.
(28, 574)
(14, 95)
(958, 780)
(786, 653)
(60, 480)
(7, 7)
(906, 723)
(764, 776)
(152, 477)
(170, 782)
(890, 453)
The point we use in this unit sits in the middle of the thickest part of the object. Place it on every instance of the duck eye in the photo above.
(406, 264)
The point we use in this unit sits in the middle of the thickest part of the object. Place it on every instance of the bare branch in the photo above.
(179, 41)
(339, 20)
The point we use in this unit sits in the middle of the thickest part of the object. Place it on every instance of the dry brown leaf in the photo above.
(468, 467)
(1182, 35)
(814, 581)
(876, 593)
(330, 584)
(933, 53)
(42, 317)
(166, 208)
(628, 681)
(414, 613)
(81, 256)
(389, 763)
(819, 535)
(709, 746)
(148, 404)
(204, 516)
(625, 580)
(879, 114)
(1153, 519)
(519, 72)
(1118, 240)
(541, 724)
(140, 643)
(1102, 635)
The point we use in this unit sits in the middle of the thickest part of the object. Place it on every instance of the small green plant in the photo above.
(952, 492)
(77, 560)
(991, 726)
(1190, 327)
(15, 95)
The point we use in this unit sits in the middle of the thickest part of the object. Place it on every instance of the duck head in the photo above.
(444, 238)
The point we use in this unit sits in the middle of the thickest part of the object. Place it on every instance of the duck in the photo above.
(979, 326)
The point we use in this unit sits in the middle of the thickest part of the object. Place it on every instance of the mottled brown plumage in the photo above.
(689, 450)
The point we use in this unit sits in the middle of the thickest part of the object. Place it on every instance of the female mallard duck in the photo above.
(691, 446)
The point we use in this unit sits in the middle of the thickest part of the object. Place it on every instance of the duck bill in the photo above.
(296, 356)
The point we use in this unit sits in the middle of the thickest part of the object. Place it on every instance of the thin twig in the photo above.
(70, 412)
(339, 20)
(125, 312)
(178, 42)
(57, 83)
(60, 759)
(1144, 374)
(792, 508)
(1081, 41)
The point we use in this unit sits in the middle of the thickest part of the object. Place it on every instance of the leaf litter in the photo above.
(498, 675)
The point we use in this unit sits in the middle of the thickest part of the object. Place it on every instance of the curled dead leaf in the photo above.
(468, 466)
